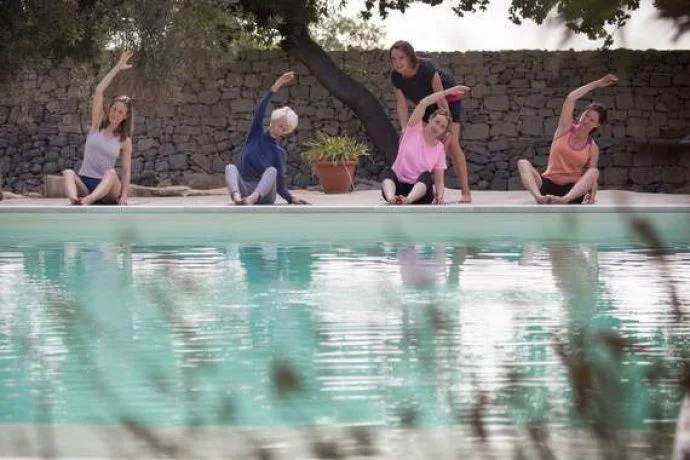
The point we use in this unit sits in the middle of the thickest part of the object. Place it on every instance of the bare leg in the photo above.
(459, 162)
(74, 187)
(109, 187)
(388, 188)
(531, 180)
(581, 187)
(417, 192)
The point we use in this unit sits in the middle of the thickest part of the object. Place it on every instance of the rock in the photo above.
(504, 129)
(615, 176)
(174, 190)
(514, 183)
(5, 195)
(645, 175)
(624, 101)
(147, 178)
(674, 175)
(496, 103)
(209, 192)
(475, 131)
(202, 181)
(54, 186)
(33, 195)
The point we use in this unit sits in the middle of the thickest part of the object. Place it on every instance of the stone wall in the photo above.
(187, 133)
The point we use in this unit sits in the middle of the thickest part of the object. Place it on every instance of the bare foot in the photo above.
(404, 200)
(86, 201)
(75, 201)
(236, 198)
(397, 199)
(251, 199)
(541, 199)
(557, 199)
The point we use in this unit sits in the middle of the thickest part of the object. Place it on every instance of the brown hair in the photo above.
(600, 109)
(442, 113)
(407, 49)
(124, 130)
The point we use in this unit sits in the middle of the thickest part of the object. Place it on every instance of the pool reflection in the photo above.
(526, 338)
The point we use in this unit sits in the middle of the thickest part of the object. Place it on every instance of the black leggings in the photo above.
(404, 189)
(549, 187)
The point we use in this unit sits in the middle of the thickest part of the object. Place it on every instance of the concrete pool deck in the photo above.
(372, 199)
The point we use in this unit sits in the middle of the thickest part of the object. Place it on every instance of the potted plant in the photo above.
(334, 159)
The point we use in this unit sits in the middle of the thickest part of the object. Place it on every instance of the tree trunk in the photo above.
(356, 96)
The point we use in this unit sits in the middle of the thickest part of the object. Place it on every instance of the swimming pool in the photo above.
(497, 320)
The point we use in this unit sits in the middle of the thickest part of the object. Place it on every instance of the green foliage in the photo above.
(593, 18)
(176, 36)
(340, 33)
(36, 31)
(333, 148)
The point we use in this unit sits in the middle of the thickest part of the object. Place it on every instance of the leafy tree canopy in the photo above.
(597, 19)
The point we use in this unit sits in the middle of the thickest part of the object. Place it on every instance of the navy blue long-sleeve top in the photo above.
(261, 151)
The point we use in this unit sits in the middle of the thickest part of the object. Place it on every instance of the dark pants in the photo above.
(404, 189)
(551, 188)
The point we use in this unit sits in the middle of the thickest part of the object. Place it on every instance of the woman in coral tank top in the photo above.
(571, 174)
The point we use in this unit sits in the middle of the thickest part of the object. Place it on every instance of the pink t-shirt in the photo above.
(415, 156)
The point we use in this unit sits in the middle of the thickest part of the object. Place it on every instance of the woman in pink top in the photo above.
(572, 150)
(415, 78)
(420, 155)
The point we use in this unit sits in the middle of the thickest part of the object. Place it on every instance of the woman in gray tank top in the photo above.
(110, 136)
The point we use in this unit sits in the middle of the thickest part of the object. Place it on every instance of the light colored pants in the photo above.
(265, 187)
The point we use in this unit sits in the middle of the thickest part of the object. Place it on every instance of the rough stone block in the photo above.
(480, 91)
(477, 158)
(475, 131)
(53, 186)
(615, 176)
(504, 129)
(532, 126)
(498, 145)
(178, 161)
(497, 103)
(619, 131)
(209, 97)
(242, 106)
(514, 183)
(498, 90)
(252, 81)
(536, 101)
(645, 175)
(675, 175)
(498, 183)
(540, 161)
(624, 101)
(660, 81)
(681, 79)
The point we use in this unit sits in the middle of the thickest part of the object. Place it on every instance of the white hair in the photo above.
(288, 114)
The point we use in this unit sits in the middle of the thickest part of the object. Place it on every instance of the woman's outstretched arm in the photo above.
(97, 100)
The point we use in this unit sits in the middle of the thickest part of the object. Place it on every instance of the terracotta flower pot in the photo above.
(335, 177)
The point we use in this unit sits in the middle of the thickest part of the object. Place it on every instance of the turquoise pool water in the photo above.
(132, 320)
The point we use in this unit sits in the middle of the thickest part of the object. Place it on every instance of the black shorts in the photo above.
(455, 107)
(549, 187)
(404, 189)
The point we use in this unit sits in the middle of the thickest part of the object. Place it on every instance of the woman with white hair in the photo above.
(262, 166)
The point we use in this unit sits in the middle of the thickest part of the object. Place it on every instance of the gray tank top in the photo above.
(100, 154)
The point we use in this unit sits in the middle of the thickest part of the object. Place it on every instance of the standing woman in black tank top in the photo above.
(110, 137)
(415, 78)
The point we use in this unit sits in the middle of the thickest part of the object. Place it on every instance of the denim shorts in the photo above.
(90, 182)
